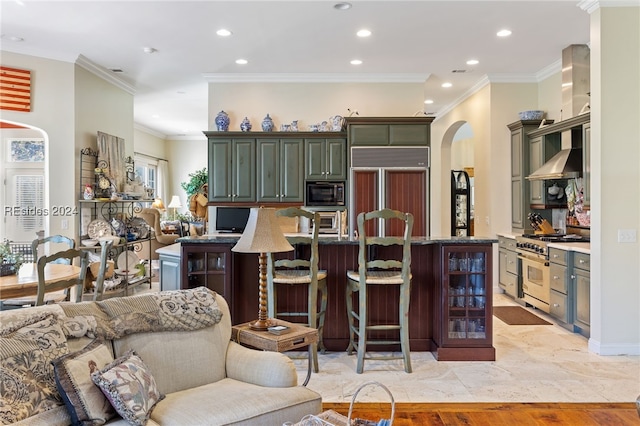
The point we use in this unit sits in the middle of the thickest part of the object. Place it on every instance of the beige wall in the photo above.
(310, 102)
(185, 156)
(148, 144)
(52, 110)
(615, 155)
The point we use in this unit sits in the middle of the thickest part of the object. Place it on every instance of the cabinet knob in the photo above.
(555, 277)
(555, 305)
(581, 261)
(556, 256)
(573, 277)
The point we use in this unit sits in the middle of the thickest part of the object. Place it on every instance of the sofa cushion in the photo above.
(231, 402)
(130, 387)
(27, 347)
(85, 402)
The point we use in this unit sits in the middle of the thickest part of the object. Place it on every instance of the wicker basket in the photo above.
(331, 418)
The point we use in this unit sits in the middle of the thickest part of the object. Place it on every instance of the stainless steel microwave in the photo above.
(325, 193)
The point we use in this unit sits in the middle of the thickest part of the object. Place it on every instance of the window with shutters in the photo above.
(23, 178)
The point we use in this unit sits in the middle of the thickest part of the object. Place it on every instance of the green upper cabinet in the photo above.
(280, 170)
(326, 159)
(521, 164)
(541, 149)
(232, 170)
(395, 131)
(586, 164)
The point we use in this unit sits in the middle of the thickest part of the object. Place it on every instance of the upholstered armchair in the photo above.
(152, 217)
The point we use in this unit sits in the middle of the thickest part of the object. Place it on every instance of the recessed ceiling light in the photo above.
(342, 5)
(242, 61)
(156, 116)
(116, 70)
(447, 84)
(504, 33)
(473, 62)
(363, 33)
(428, 101)
(223, 32)
(356, 62)
(13, 38)
(149, 50)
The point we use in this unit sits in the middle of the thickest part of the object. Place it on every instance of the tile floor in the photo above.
(537, 363)
(540, 363)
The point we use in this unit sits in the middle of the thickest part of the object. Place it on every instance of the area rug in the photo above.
(517, 315)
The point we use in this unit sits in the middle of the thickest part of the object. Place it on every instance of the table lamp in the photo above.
(175, 204)
(262, 235)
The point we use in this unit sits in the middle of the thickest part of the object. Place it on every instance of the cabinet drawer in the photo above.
(512, 262)
(558, 277)
(509, 283)
(558, 306)
(557, 256)
(582, 261)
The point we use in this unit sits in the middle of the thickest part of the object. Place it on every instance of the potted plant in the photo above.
(197, 193)
(9, 262)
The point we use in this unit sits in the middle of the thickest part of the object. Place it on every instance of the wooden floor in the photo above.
(495, 414)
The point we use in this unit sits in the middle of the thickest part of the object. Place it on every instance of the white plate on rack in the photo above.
(127, 261)
(99, 228)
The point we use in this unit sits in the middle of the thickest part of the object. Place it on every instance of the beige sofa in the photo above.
(207, 378)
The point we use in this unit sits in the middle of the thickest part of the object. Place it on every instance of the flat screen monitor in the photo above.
(232, 219)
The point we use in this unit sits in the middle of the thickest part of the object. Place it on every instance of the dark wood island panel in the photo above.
(430, 309)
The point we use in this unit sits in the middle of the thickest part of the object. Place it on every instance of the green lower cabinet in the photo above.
(582, 289)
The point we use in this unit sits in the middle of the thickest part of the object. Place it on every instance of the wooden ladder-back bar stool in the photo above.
(380, 272)
(300, 271)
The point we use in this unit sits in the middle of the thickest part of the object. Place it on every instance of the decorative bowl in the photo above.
(531, 115)
(89, 243)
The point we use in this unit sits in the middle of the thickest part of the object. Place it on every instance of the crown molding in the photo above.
(104, 74)
(591, 6)
(149, 130)
(314, 78)
(472, 90)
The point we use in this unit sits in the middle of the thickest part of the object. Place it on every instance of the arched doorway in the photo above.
(23, 156)
(457, 153)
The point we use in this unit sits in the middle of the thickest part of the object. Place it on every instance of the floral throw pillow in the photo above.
(85, 402)
(27, 386)
(129, 386)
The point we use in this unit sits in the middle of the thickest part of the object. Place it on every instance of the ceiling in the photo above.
(293, 41)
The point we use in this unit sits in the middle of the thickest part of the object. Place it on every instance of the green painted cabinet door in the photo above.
(368, 134)
(336, 166)
(292, 170)
(280, 170)
(536, 160)
(243, 169)
(409, 134)
(268, 159)
(232, 170)
(586, 163)
(220, 177)
(326, 159)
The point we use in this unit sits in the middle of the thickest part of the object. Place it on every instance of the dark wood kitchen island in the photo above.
(450, 313)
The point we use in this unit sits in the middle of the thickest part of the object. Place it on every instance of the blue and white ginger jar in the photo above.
(245, 126)
(222, 121)
(267, 124)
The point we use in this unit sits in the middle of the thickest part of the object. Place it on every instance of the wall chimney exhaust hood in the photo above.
(564, 165)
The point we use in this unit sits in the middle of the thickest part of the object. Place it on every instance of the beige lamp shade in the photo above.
(158, 204)
(262, 234)
(175, 202)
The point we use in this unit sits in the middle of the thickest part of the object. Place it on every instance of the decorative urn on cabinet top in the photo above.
(222, 121)
(267, 124)
(245, 126)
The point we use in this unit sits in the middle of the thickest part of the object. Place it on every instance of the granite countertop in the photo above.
(335, 240)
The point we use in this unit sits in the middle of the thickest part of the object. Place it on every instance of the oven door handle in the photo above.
(542, 262)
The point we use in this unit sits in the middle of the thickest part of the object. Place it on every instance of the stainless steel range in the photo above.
(533, 252)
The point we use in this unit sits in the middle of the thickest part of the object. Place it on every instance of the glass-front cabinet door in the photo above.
(466, 303)
(206, 267)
